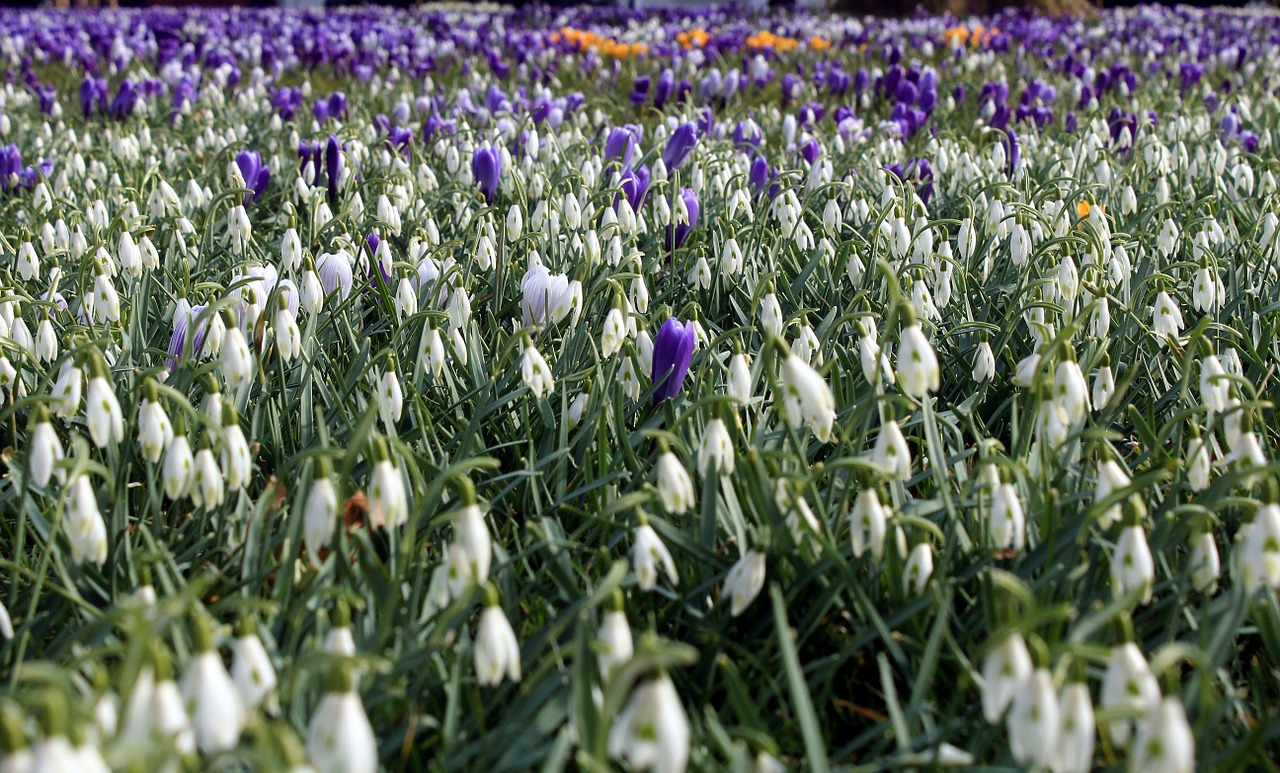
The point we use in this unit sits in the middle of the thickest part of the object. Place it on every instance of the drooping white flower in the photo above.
(1132, 566)
(715, 451)
(1033, 720)
(320, 513)
(102, 413)
(615, 635)
(217, 714)
(740, 385)
(388, 504)
(83, 524)
(340, 738)
(744, 582)
(918, 371)
(868, 524)
(891, 453)
(1215, 387)
(44, 452)
(1164, 742)
(1166, 317)
(652, 732)
(1206, 564)
(807, 399)
(1008, 523)
(238, 364)
(1111, 478)
(984, 363)
(675, 489)
(1076, 736)
(471, 552)
(497, 653)
(536, 372)
(1004, 668)
(648, 556)
(918, 569)
(1128, 687)
(252, 670)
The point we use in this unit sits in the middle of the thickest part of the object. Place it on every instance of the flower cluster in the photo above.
(367, 375)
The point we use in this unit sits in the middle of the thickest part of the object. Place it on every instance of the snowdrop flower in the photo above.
(237, 466)
(340, 738)
(984, 363)
(1167, 239)
(744, 581)
(918, 372)
(771, 314)
(1215, 388)
(535, 372)
(614, 333)
(1166, 318)
(652, 732)
(471, 552)
(740, 385)
(497, 653)
(1111, 478)
(390, 398)
(166, 716)
(388, 504)
(251, 668)
(1164, 743)
(891, 453)
(1104, 385)
(44, 450)
(320, 513)
(715, 452)
(238, 364)
(83, 524)
(1033, 720)
(1205, 562)
(615, 635)
(1132, 566)
(1076, 736)
(431, 351)
(675, 489)
(1259, 550)
(288, 336)
(207, 485)
(1128, 686)
(1004, 669)
(1008, 523)
(218, 716)
(868, 524)
(102, 411)
(807, 399)
(1070, 389)
(919, 568)
(649, 555)
(155, 433)
(1199, 465)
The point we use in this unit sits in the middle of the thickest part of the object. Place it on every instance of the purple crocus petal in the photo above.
(679, 146)
(333, 164)
(486, 168)
(373, 240)
(672, 354)
(620, 144)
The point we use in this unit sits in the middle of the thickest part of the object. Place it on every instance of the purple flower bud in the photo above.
(672, 354)
(640, 91)
(126, 99)
(662, 92)
(679, 146)
(333, 164)
(634, 184)
(486, 168)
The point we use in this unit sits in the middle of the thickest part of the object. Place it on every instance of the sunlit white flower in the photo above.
(744, 581)
(1034, 720)
(807, 398)
(1004, 668)
(536, 373)
(497, 653)
(675, 489)
(648, 556)
(340, 738)
(1164, 743)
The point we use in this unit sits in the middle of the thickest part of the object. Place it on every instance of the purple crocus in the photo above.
(178, 348)
(333, 165)
(640, 91)
(679, 146)
(672, 353)
(255, 173)
(634, 184)
(681, 232)
(126, 99)
(620, 144)
(662, 92)
(486, 168)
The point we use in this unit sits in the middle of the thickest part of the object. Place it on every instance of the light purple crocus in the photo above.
(672, 353)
